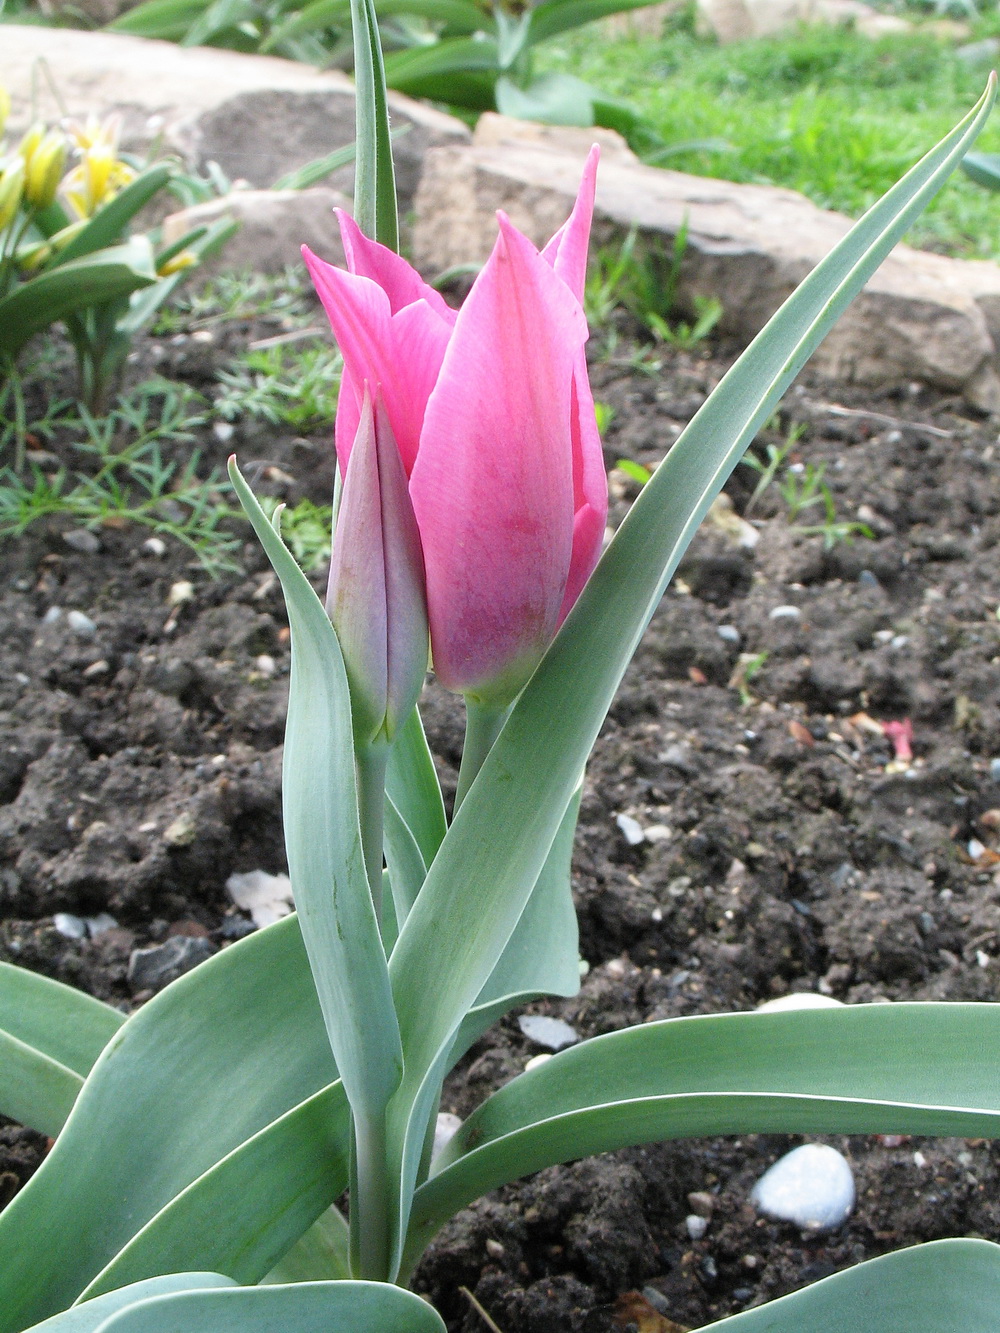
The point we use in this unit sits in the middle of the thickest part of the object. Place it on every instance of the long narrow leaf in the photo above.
(555, 16)
(197, 1071)
(106, 227)
(323, 839)
(308, 1307)
(941, 1287)
(64, 1023)
(865, 1069)
(413, 787)
(35, 1090)
(437, 974)
(374, 181)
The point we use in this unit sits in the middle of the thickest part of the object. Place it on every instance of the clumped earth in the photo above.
(784, 846)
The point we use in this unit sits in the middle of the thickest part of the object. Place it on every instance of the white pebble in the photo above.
(551, 1033)
(799, 1000)
(83, 540)
(811, 1186)
(975, 848)
(223, 431)
(155, 546)
(80, 624)
(919, 1159)
(729, 632)
(631, 830)
(97, 925)
(537, 1060)
(786, 613)
(696, 1226)
(180, 592)
(70, 927)
(658, 833)
(445, 1127)
(53, 614)
(983, 959)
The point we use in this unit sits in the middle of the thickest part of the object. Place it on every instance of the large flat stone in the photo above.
(921, 317)
(258, 117)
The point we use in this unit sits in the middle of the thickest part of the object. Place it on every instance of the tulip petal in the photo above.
(567, 251)
(400, 354)
(356, 595)
(492, 487)
(399, 280)
(590, 488)
(376, 591)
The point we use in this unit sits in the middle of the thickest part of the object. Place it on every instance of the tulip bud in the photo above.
(376, 597)
(11, 190)
(45, 169)
(32, 138)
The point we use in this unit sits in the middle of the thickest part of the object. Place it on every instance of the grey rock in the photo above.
(552, 1033)
(258, 117)
(100, 924)
(83, 540)
(979, 53)
(156, 967)
(273, 226)
(811, 1186)
(921, 316)
(81, 625)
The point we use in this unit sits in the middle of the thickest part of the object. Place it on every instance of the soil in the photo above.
(785, 847)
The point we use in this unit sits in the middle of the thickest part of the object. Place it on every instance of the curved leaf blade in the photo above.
(937, 1288)
(413, 787)
(106, 227)
(307, 1307)
(374, 179)
(61, 1022)
(202, 1067)
(283, 1178)
(35, 1090)
(323, 840)
(86, 1319)
(553, 725)
(901, 1068)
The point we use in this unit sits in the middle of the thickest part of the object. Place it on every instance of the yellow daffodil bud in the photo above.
(177, 263)
(31, 140)
(11, 190)
(4, 107)
(45, 169)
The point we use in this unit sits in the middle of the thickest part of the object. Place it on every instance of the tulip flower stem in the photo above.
(482, 726)
(370, 764)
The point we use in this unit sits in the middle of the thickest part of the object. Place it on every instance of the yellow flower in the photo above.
(45, 169)
(11, 190)
(4, 107)
(100, 173)
(177, 263)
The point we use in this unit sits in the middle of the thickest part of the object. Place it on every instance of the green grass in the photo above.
(823, 111)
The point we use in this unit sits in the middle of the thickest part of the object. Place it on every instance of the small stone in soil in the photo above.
(53, 614)
(696, 1226)
(552, 1033)
(995, 769)
(811, 1186)
(266, 897)
(729, 633)
(98, 925)
(70, 927)
(786, 613)
(81, 625)
(445, 1127)
(83, 540)
(631, 830)
(155, 546)
(152, 969)
(867, 579)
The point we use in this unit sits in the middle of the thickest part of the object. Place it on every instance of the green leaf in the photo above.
(88, 1318)
(413, 787)
(542, 956)
(218, 17)
(983, 168)
(554, 16)
(863, 1069)
(555, 99)
(63, 1023)
(407, 870)
(190, 1076)
(323, 840)
(942, 1287)
(143, 305)
(504, 828)
(455, 16)
(107, 275)
(323, 1252)
(107, 226)
(50, 1035)
(459, 70)
(308, 1307)
(284, 1178)
(374, 180)
(168, 20)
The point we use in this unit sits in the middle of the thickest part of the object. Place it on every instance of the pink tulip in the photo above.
(376, 593)
(494, 420)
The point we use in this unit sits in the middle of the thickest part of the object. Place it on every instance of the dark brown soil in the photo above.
(139, 768)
